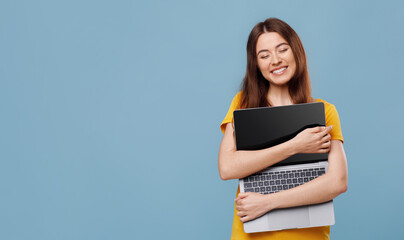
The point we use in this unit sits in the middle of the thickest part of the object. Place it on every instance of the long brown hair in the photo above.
(255, 86)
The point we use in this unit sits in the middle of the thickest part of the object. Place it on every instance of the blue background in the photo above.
(110, 113)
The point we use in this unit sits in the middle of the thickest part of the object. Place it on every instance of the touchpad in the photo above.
(296, 217)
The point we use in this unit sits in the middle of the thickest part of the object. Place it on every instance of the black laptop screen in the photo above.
(259, 128)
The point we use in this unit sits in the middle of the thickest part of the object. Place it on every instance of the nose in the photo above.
(276, 59)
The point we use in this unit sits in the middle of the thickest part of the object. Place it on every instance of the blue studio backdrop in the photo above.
(110, 113)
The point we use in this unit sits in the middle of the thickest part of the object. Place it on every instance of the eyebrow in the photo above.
(266, 50)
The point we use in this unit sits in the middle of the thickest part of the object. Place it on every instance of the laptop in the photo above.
(259, 128)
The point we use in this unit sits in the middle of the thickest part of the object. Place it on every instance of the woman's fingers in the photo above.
(241, 211)
(326, 138)
(323, 134)
(325, 149)
(327, 130)
(239, 207)
(326, 144)
(241, 196)
(245, 218)
(316, 129)
(251, 206)
(321, 129)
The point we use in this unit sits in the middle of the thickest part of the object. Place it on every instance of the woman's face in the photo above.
(275, 58)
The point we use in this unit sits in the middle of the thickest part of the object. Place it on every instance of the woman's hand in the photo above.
(313, 140)
(252, 205)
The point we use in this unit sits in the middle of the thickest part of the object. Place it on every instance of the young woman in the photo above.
(277, 75)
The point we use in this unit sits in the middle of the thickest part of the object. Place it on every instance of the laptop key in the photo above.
(256, 190)
(249, 190)
(247, 185)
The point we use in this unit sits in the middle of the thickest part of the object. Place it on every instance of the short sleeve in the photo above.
(235, 104)
(332, 118)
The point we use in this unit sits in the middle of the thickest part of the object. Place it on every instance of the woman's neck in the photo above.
(279, 95)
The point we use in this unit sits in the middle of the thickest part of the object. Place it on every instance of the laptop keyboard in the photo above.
(271, 182)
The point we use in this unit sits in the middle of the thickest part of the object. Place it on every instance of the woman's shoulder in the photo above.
(328, 106)
(322, 100)
(236, 100)
(332, 118)
(235, 104)
(238, 96)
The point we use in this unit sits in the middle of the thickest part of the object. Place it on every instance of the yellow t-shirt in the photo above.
(314, 233)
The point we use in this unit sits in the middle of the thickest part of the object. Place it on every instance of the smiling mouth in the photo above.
(279, 71)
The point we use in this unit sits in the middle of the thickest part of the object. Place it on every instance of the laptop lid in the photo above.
(259, 128)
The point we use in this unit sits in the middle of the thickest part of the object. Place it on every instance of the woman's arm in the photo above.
(321, 189)
(235, 164)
